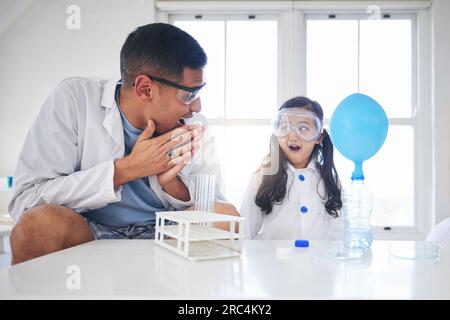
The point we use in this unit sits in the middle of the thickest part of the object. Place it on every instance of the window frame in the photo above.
(292, 17)
(420, 119)
(228, 121)
(225, 121)
(410, 121)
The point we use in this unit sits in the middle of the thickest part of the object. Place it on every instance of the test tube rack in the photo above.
(192, 234)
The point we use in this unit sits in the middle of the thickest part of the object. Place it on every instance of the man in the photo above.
(103, 156)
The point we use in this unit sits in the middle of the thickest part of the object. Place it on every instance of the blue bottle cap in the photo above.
(10, 182)
(302, 243)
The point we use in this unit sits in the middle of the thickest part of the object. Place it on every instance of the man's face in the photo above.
(169, 102)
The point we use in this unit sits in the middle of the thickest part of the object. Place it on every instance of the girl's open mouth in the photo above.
(294, 147)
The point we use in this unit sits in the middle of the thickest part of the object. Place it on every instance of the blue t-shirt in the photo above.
(138, 201)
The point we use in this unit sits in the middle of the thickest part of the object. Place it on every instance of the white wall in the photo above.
(441, 96)
(10, 10)
(38, 50)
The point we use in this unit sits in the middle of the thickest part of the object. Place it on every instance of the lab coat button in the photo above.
(301, 177)
(304, 209)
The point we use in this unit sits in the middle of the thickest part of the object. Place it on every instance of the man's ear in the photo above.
(143, 86)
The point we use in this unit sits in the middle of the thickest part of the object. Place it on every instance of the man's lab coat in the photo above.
(69, 152)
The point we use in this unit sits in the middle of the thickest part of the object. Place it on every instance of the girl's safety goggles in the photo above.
(304, 123)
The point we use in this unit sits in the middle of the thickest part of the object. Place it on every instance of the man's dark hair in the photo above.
(159, 49)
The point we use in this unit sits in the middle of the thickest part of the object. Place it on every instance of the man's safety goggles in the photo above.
(185, 95)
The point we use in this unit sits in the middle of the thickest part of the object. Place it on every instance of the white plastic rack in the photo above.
(193, 235)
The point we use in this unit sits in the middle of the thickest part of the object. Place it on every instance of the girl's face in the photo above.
(297, 150)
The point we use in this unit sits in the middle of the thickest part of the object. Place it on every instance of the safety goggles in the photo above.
(185, 95)
(304, 123)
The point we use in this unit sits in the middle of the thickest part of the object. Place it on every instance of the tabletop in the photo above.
(139, 269)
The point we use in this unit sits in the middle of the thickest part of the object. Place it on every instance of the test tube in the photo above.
(204, 193)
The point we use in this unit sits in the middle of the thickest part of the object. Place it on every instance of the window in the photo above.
(241, 93)
(375, 57)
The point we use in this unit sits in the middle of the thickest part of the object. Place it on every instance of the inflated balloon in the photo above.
(358, 129)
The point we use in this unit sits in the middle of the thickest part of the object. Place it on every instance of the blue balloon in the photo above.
(358, 129)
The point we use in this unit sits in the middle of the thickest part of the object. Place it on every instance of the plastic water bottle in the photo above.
(358, 201)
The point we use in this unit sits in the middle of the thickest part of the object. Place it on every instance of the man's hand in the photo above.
(182, 155)
(150, 155)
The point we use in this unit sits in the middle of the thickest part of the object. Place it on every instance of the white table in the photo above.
(140, 269)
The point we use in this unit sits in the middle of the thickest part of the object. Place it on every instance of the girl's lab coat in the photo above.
(301, 215)
(69, 152)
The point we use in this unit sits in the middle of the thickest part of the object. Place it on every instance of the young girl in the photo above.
(296, 193)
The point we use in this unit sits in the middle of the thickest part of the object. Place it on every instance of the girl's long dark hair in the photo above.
(273, 187)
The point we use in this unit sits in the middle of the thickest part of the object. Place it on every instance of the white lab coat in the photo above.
(286, 221)
(69, 152)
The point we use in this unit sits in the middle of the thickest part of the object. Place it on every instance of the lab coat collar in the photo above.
(112, 122)
(108, 96)
(312, 166)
